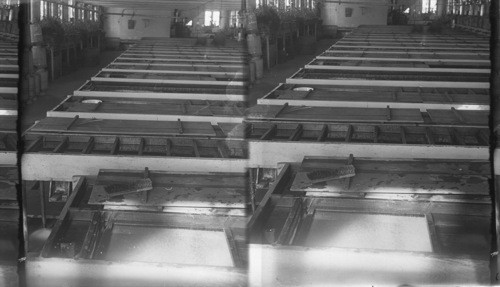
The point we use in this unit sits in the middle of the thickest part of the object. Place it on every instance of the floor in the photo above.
(65, 85)
(61, 88)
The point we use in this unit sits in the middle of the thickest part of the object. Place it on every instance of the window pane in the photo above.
(60, 11)
(216, 18)
(71, 10)
(42, 10)
(208, 18)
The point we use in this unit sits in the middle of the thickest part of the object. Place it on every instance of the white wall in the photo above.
(145, 26)
(371, 12)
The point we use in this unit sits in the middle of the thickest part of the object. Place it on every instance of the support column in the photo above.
(251, 5)
(225, 17)
(65, 15)
(441, 7)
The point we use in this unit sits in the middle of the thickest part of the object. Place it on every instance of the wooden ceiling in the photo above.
(169, 4)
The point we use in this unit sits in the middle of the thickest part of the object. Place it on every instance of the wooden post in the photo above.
(495, 92)
(42, 204)
(268, 52)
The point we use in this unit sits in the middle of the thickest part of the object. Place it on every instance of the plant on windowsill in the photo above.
(52, 31)
(268, 19)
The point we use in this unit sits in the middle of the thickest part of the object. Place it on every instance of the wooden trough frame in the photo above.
(60, 156)
(415, 40)
(145, 47)
(381, 97)
(216, 74)
(407, 49)
(396, 66)
(141, 109)
(270, 143)
(410, 44)
(90, 251)
(154, 91)
(226, 68)
(188, 53)
(416, 64)
(166, 55)
(181, 75)
(414, 79)
(406, 36)
(172, 81)
(279, 230)
(387, 115)
(175, 62)
(176, 59)
(408, 55)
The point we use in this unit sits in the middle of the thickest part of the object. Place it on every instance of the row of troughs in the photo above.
(369, 165)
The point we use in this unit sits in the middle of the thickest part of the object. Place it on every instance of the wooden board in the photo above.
(194, 56)
(457, 117)
(382, 67)
(410, 44)
(385, 83)
(421, 57)
(179, 60)
(392, 47)
(170, 81)
(148, 110)
(322, 114)
(269, 154)
(155, 95)
(178, 72)
(50, 166)
(166, 66)
(120, 127)
(331, 96)
(387, 76)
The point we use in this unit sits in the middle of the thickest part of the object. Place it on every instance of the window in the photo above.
(212, 18)
(429, 6)
(60, 11)
(235, 20)
(44, 9)
(71, 10)
(348, 12)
